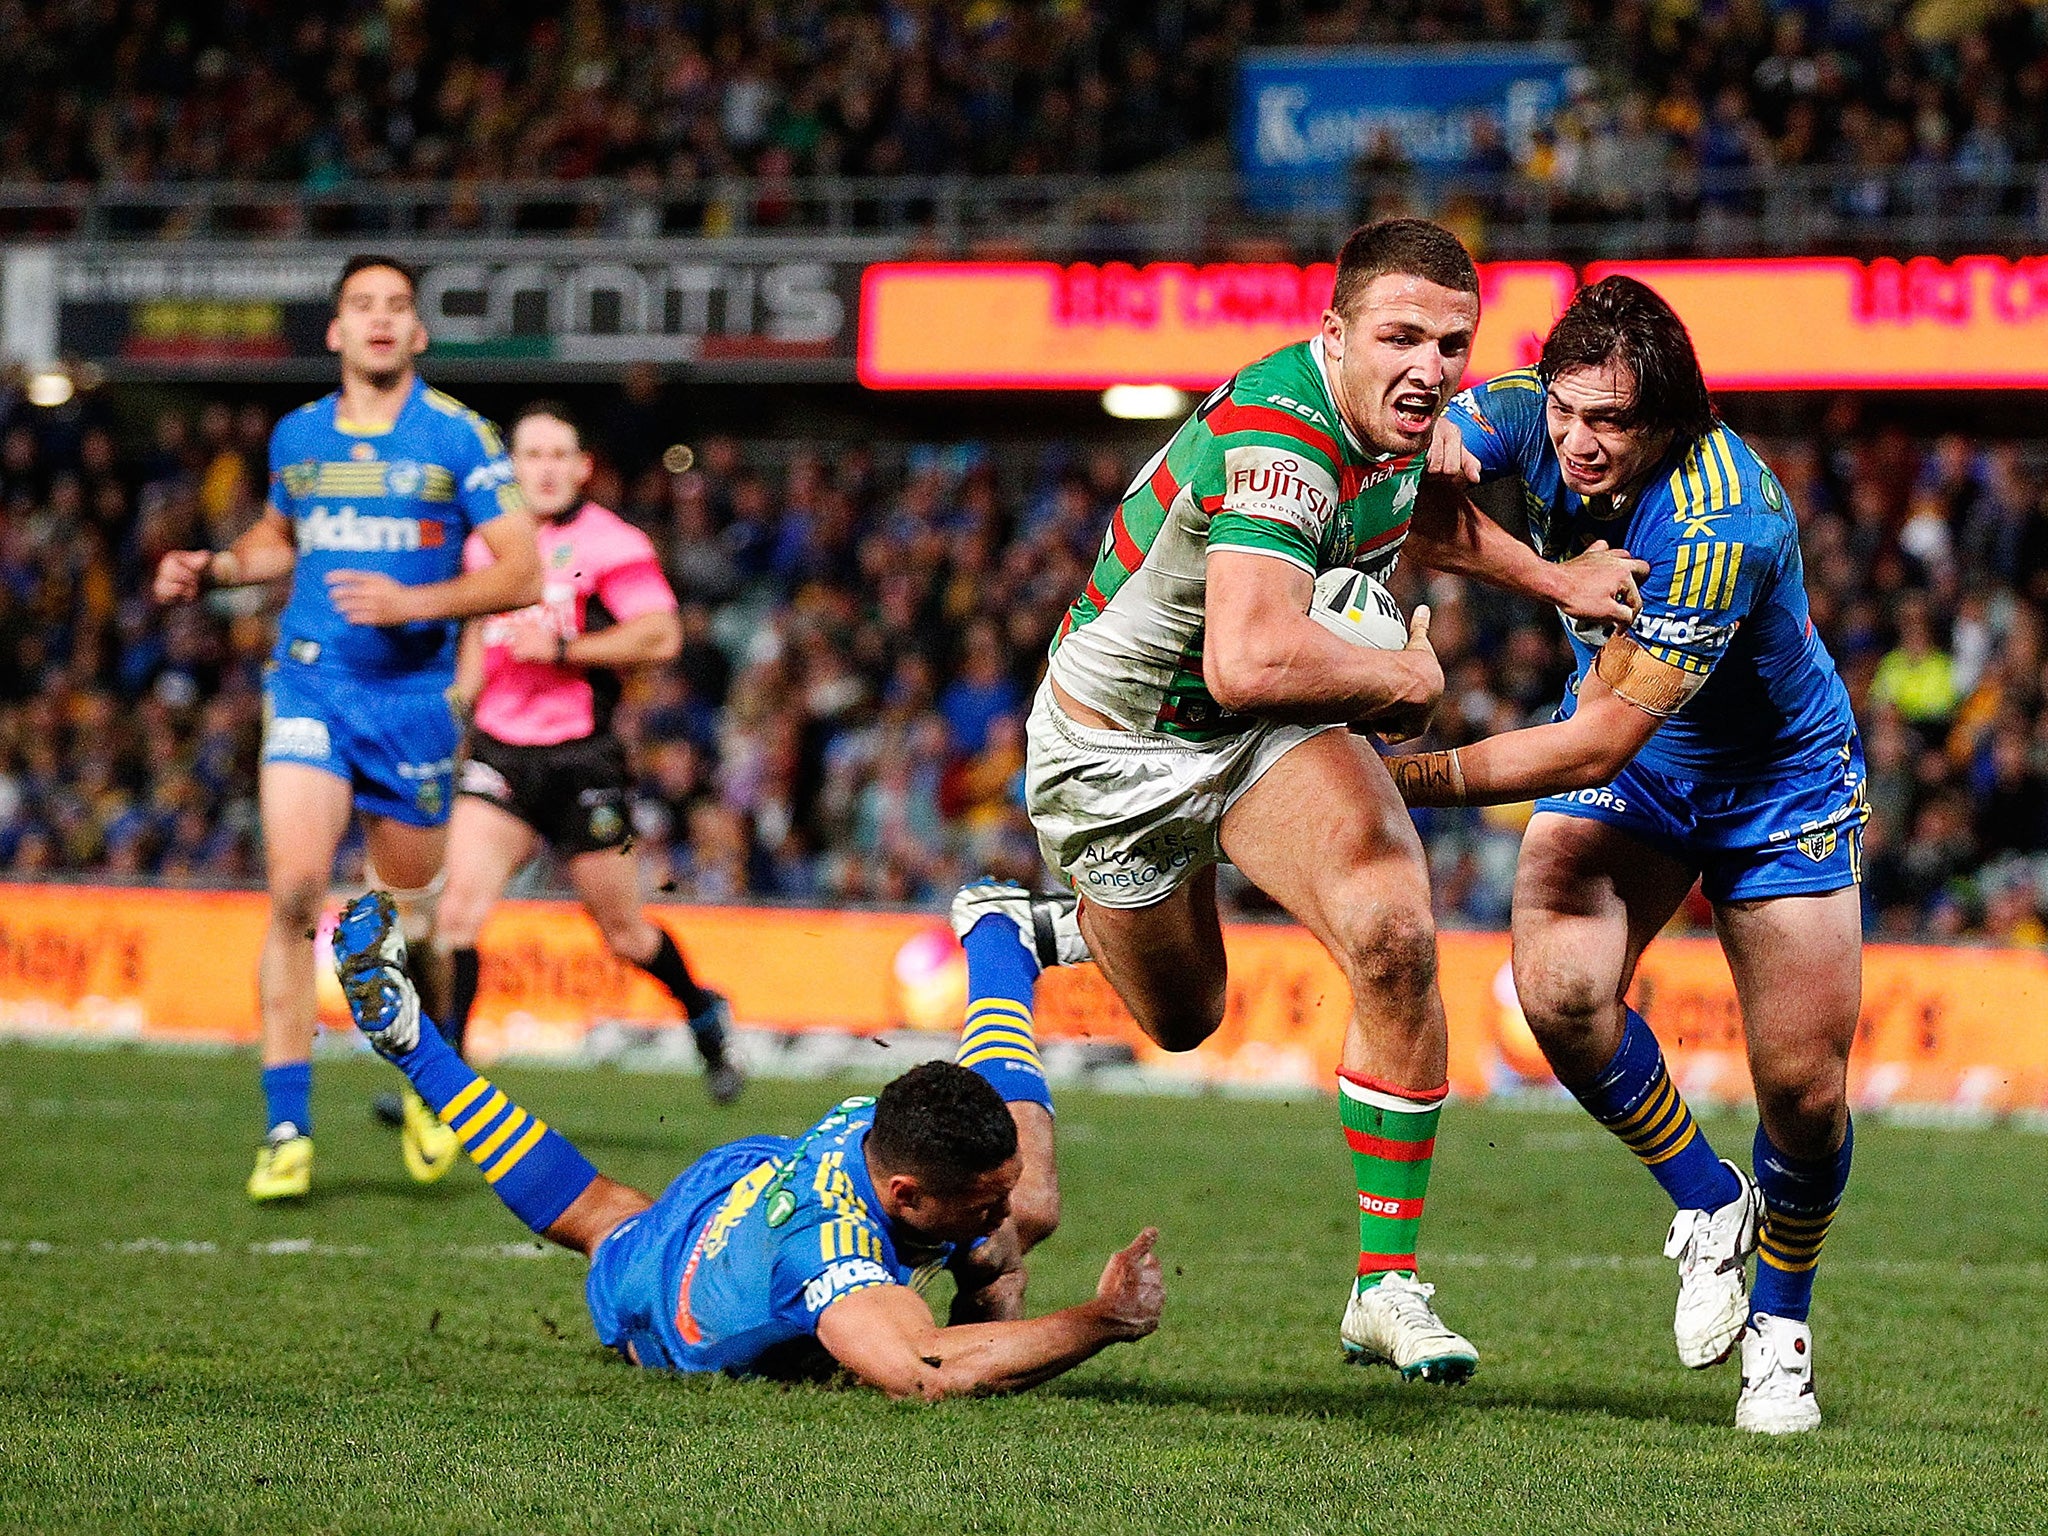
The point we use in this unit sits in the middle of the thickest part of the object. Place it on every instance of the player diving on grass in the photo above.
(544, 765)
(1194, 712)
(373, 491)
(777, 1256)
(1709, 740)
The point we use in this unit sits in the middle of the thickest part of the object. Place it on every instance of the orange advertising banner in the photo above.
(1980, 322)
(1964, 1028)
(1037, 325)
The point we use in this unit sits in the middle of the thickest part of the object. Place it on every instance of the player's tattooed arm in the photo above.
(1429, 778)
(1597, 742)
(885, 1334)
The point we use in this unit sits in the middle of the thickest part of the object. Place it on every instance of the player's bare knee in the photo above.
(1803, 1111)
(1389, 951)
(295, 902)
(1563, 1004)
(1183, 1023)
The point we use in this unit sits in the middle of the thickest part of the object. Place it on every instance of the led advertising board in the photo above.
(1980, 322)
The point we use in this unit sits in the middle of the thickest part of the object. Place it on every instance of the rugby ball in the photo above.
(1354, 607)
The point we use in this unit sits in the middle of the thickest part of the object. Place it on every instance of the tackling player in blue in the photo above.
(372, 492)
(1711, 740)
(778, 1256)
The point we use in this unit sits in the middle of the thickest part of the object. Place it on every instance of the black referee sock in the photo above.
(463, 971)
(670, 969)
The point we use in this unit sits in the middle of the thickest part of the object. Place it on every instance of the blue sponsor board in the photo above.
(1304, 115)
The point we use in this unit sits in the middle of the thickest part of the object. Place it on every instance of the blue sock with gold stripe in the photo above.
(535, 1170)
(1636, 1099)
(997, 1041)
(1801, 1196)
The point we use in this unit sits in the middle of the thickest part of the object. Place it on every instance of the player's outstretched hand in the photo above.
(1601, 585)
(1132, 1292)
(1449, 458)
(181, 574)
(366, 597)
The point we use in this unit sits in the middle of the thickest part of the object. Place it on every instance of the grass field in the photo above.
(395, 1359)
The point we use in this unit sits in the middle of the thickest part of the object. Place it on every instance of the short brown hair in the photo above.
(364, 263)
(554, 410)
(1414, 247)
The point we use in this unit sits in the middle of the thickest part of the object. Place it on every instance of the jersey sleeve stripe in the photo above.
(1164, 486)
(1232, 417)
(1128, 555)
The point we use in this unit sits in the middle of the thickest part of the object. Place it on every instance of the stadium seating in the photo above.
(863, 632)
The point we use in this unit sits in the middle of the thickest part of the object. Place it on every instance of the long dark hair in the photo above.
(1620, 320)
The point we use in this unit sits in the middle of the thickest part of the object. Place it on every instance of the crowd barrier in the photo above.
(1958, 1028)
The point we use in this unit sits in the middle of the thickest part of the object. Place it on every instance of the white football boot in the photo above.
(1392, 1323)
(1777, 1378)
(1713, 1288)
(1049, 923)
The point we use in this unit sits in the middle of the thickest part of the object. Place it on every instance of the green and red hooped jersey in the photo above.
(1266, 465)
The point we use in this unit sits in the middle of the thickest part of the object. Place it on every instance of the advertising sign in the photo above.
(1824, 322)
(1305, 115)
(83, 963)
(1035, 325)
(230, 312)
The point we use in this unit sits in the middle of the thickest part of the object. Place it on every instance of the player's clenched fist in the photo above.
(181, 575)
(1132, 1292)
(1600, 586)
(371, 598)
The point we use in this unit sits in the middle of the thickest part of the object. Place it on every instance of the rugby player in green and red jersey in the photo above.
(1194, 712)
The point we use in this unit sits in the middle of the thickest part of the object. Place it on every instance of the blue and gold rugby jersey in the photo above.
(733, 1266)
(1726, 593)
(399, 502)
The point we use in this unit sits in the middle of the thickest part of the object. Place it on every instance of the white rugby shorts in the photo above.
(1128, 816)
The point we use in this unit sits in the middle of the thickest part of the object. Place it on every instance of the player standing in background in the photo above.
(1193, 711)
(544, 766)
(373, 491)
(778, 1256)
(1710, 740)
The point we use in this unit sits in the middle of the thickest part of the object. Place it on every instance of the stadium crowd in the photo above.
(863, 632)
(665, 97)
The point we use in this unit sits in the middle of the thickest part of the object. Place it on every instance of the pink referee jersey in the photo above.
(596, 569)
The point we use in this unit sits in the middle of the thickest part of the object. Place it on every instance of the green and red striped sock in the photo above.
(1392, 1134)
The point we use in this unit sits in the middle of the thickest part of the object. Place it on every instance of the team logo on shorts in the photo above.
(606, 824)
(428, 797)
(1818, 845)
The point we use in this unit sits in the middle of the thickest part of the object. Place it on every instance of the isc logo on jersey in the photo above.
(842, 1276)
(1681, 629)
(351, 532)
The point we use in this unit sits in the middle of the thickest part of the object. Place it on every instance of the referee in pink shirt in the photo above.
(544, 765)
